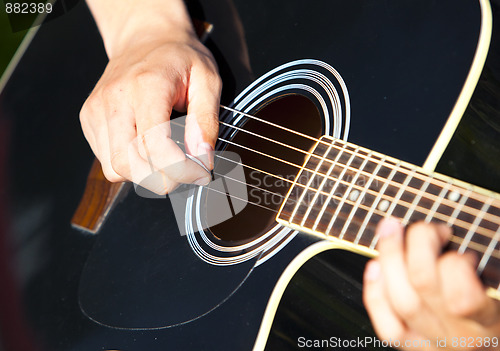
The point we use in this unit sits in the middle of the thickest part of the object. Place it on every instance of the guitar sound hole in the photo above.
(266, 192)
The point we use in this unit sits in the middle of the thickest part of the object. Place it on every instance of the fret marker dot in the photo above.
(454, 196)
(383, 205)
(353, 196)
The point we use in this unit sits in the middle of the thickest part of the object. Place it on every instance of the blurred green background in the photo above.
(9, 41)
(12, 31)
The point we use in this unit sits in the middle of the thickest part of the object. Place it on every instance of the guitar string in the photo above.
(424, 177)
(480, 248)
(319, 141)
(456, 239)
(415, 191)
(238, 198)
(480, 231)
(459, 223)
(416, 175)
(420, 176)
(372, 192)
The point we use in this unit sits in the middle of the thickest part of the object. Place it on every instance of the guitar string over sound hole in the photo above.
(286, 109)
(294, 111)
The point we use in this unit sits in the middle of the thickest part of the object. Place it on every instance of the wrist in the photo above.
(144, 35)
(129, 23)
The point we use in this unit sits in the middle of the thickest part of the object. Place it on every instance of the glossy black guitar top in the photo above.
(138, 284)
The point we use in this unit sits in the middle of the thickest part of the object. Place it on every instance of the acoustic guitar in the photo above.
(342, 86)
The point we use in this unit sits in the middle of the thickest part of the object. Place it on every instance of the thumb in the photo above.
(202, 122)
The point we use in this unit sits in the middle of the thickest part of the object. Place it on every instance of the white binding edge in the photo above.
(282, 284)
(293, 267)
(467, 90)
(25, 43)
(429, 166)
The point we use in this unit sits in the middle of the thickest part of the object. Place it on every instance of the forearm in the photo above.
(122, 22)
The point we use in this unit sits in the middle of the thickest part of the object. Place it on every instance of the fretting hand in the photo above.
(419, 296)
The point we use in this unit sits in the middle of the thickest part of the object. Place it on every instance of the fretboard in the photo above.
(343, 190)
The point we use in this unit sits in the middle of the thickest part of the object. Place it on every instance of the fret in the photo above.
(339, 178)
(377, 200)
(368, 232)
(344, 198)
(475, 225)
(340, 204)
(444, 211)
(437, 203)
(352, 228)
(489, 250)
(325, 204)
(343, 190)
(461, 204)
(310, 179)
(370, 185)
(490, 222)
(416, 200)
(359, 198)
(470, 211)
(474, 233)
(389, 176)
(337, 211)
(411, 191)
(490, 274)
(400, 192)
(339, 199)
(483, 241)
(326, 195)
(325, 178)
(363, 195)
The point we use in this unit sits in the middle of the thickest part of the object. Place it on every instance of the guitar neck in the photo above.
(343, 190)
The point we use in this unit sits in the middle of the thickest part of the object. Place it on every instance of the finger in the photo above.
(386, 322)
(154, 144)
(153, 97)
(96, 131)
(404, 300)
(164, 164)
(87, 129)
(124, 157)
(202, 124)
(95, 127)
(146, 175)
(423, 246)
(104, 153)
(464, 295)
(164, 156)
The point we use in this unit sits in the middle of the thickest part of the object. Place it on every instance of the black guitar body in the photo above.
(138, 284)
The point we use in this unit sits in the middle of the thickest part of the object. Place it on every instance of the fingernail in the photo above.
(389, 226)
(202, 181)
(206, 154)
(372, 271)
(445, 228)
(472, 258)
